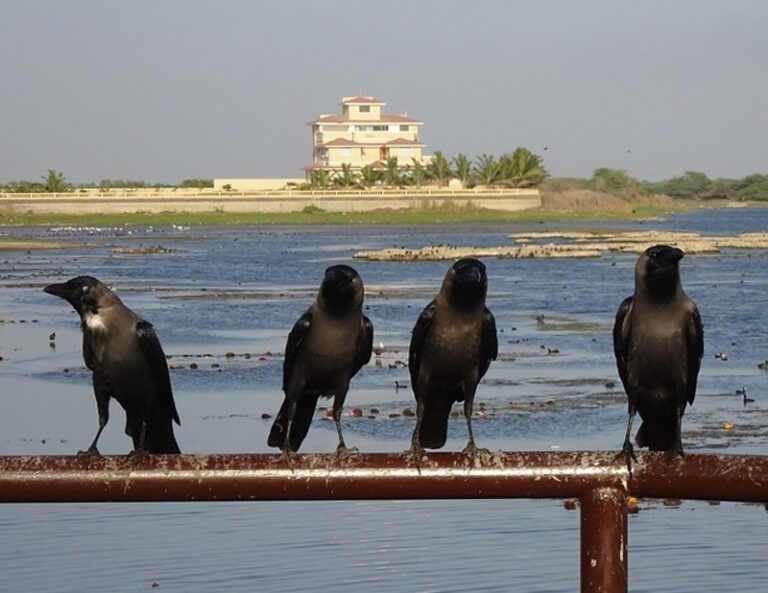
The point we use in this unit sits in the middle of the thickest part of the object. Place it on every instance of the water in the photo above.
(239, 290)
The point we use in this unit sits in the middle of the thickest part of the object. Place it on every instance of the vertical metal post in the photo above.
(604, 541)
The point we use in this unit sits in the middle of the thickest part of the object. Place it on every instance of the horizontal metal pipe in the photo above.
(378, 476)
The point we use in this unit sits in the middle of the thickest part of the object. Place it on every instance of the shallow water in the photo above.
(239, 290)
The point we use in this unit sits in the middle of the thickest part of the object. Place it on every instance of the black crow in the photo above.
(327, 346)
(452, 346)
(658, 341)
(128, 364)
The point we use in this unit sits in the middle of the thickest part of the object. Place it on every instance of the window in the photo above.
(404, 127)
(380, 128)
(365, 108)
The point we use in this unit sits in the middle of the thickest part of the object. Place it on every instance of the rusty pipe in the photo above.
(604, 541)
(377, 476)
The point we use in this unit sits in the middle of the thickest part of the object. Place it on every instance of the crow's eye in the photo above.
(86, 288)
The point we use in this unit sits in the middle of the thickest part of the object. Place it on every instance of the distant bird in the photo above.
(327, 346)
(128, 365)
(452, 346)
(658, 341)
(743, 393)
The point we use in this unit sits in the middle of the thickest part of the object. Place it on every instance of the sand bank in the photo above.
(574, 245)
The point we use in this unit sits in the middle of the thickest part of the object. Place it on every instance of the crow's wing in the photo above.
(364, 344)
(621, 335)
(489, 342)
(155, 357)
(695, 334)
(295, 338)
(417, 341)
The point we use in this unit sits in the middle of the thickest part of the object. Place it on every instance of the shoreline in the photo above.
(410, 217)
(427, 214)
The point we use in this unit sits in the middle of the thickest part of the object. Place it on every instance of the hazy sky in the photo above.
(164, 90)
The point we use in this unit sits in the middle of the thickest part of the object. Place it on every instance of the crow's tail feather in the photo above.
(657, 436)
(434, 424)
(305, 410)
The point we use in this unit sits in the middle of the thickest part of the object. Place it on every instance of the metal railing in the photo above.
(598, 479)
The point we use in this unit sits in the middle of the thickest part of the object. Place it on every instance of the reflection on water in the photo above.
(223, 304)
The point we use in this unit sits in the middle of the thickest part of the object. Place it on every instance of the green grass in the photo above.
(418, 216)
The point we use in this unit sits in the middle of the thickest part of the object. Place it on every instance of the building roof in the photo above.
(337, 142)
(362, 100)
(404, 142)
(341, 142)
(344, 119)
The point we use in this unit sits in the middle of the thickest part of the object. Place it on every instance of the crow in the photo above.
(128, 364)
(658, 341)
(452, 346)
(327, 346)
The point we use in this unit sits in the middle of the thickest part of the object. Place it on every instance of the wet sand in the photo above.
(574, 244)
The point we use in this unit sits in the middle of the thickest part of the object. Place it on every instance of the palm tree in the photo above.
(439, 169)
(463, 169)
(54, 182)
(346, 177)
(487, 169)
(522, 168)
(417, 174)
(368, 176)
(392, 174)
(321, 178)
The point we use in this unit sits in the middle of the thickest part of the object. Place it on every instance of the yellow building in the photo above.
(362, 135)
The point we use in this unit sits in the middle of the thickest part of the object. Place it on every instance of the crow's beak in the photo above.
(671, 255)
(471, 273)
(60, 290)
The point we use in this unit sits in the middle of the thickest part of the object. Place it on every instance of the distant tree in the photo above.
(54, 182)
(463, 169)
(392, 174)
(369, 176)
(616, 182)
(522, 168)
(321, 178)
(690, 184)
(345, 177)
(23, 186)
(121, 183)
(417, 173)
(722, 189)
(751, 187)
(487, 169)
(439, 169)
(198, 183)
